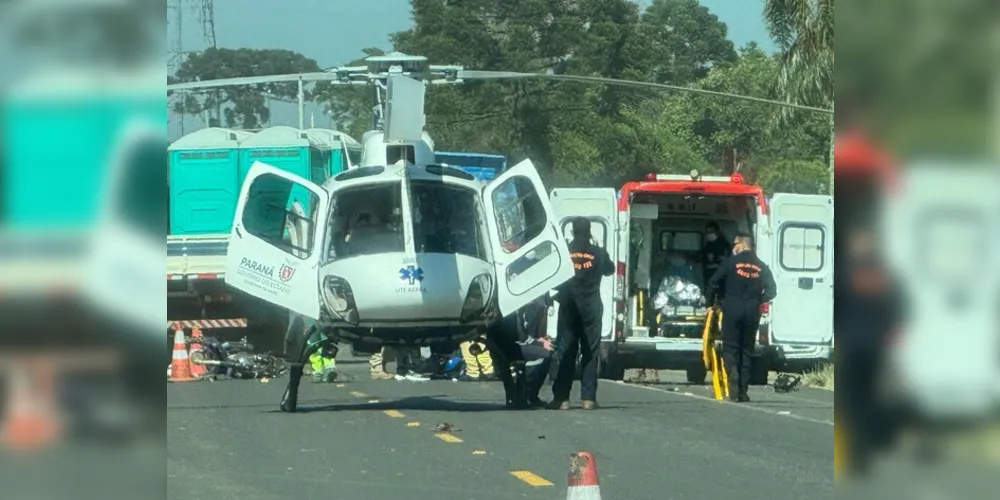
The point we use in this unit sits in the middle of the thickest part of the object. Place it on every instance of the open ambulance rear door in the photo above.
(802, 263)
(600, 206)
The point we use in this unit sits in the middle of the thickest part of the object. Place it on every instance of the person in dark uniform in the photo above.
(580, 314)
(502, 343)
(745, 283)
(536, 347)
(869, 310)
(713, 253)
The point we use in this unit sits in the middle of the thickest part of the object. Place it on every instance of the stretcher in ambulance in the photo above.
(653, 226)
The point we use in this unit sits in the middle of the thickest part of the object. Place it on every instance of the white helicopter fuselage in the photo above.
(417, 285)
(397, 254)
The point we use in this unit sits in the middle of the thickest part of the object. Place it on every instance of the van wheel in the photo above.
(697, 375)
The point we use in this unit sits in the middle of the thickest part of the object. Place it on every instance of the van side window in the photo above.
(801, 247)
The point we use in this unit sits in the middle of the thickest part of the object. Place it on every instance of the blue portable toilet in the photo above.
(340, 150)
(204, 186)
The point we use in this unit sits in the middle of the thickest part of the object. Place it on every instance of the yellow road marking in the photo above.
(448, 438)
(413, 424)
(479, 452)
(341, 385)
(394, 413)
(531, 478)
(358, 394)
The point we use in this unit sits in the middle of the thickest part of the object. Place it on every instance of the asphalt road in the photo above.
(363, 439)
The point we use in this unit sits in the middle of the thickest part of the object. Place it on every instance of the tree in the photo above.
(793, 176)
(241, 106)
(350, 106)
(803, 30)
(685, 41)
(733, 130)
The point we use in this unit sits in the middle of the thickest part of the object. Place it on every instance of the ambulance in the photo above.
(648, 224)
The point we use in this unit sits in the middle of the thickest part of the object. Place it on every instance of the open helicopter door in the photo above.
(600, 206)
(529, 253)
(267, 260)
(802, 249)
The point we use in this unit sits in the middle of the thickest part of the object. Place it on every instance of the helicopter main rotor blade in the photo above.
(511, 75)
(253, 80)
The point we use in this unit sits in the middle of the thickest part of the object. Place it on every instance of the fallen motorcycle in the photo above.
(234, 359)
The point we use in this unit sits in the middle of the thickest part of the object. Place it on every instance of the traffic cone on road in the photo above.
(180, 366)
(582, 483)
(197, 370)
(30, 421)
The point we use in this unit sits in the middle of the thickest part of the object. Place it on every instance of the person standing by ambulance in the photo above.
(745, 283)
(580, 318)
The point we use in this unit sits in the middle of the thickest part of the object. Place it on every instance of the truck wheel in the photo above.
(758, 372)
(697, 375)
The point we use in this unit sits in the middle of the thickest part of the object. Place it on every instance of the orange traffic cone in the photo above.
(30, 417)
(582, 483)
(180, 366)
(197, 369)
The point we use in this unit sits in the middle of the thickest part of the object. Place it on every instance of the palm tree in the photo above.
(803, 30)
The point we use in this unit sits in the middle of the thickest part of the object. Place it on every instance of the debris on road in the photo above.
(445, 427)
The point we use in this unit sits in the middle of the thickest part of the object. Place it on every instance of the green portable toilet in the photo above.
(341, 150)
(204, 181)
(288, 149)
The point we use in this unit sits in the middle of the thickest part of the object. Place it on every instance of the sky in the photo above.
(333, 32)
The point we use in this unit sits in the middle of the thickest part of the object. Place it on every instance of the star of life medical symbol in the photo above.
(411, 274)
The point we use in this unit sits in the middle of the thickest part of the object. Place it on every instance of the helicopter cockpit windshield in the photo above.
(366, 220)
(446, 219)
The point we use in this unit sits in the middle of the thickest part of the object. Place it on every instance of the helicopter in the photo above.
(398, 250)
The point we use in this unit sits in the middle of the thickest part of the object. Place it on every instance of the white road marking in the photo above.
(750, 406)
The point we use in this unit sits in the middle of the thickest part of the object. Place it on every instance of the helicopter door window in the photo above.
(366, 220)
(275, 211)
(520, 213)
(445, 220)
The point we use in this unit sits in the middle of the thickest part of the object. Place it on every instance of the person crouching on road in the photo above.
(478, 367)
(580, 318)
(536, 348)
(745, 283)
(407, 360)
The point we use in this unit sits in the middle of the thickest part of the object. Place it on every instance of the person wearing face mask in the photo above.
(715, 250)
(745, 284)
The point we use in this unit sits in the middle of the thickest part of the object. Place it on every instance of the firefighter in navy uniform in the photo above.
(580, 317)
(745, 283)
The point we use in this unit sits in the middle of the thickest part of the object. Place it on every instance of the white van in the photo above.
(645, 222)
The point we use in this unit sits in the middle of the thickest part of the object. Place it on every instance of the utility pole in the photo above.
(832, 141)
(302, 103)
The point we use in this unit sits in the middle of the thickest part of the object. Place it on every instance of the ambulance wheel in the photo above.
(697, 375)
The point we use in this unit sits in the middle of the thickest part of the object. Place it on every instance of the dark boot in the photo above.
(558, 405)
(744, 394)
